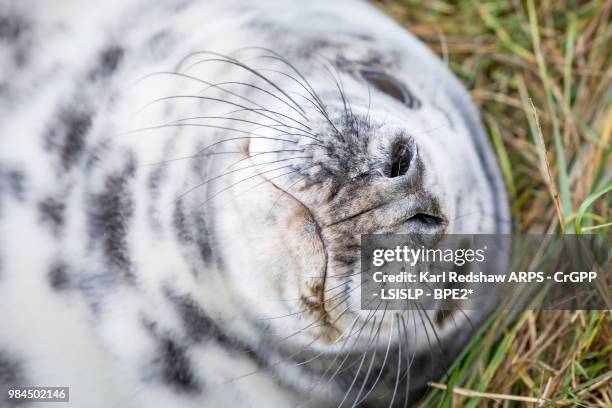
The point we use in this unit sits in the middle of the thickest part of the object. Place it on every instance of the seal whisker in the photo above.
(285, 191)
(267, 180)
(321, 319)
(338, 85)
(399, 361)
(364, 355)
(233, 61)
(421, 312)
(218, 86)
(317, 104)
(207, 154)
(191, 189)
(336, 79)
(202, 125)
(257, 111)
(277, 56)
(210, 146)
(320, 108)
(241, 181)
(246, 84)
(308, 296)
(384, 362)
(345, 99)
(344, 296)
(250, 155)
(319, 382)
(262, 125)
(368, 117)
(371, 365)
(258, 184)
(305, 347)
(306, 98)
(409, 361)
(281, 124)
(296, 353)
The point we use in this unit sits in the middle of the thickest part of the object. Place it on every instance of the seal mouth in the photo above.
(427, 220)
(420, 218)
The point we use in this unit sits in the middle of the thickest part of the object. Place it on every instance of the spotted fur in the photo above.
(183, 185)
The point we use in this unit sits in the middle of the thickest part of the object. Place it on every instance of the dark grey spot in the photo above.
(179, 221)
(154, 182)
(67, 134)
(155, 178)
(52, 212)
(108, 62)
(198, 324)
(12, 27)
(77, 125)
(160, 44)
(16, 182)
(204, 236)
(201, 327)
(11, 376)
(58, 276)
(111, 211)
(175, 366)
(12, 182)
(10, 370)
(365, 37)
(193, 229)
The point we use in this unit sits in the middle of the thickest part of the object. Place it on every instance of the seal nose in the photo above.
(400, 159)
(403, 161)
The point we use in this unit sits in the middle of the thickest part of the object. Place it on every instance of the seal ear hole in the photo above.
(392, 87)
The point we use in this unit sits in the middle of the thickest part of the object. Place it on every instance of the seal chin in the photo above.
(330, 268)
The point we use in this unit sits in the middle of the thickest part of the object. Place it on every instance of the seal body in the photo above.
(183, 185)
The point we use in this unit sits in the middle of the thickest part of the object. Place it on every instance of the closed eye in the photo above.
(392, 87)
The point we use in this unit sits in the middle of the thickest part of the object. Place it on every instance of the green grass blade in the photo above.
(587, 203)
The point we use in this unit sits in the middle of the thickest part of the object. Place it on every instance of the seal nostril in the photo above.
(399, 161)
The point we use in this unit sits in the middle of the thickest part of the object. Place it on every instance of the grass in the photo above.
(541, 76)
